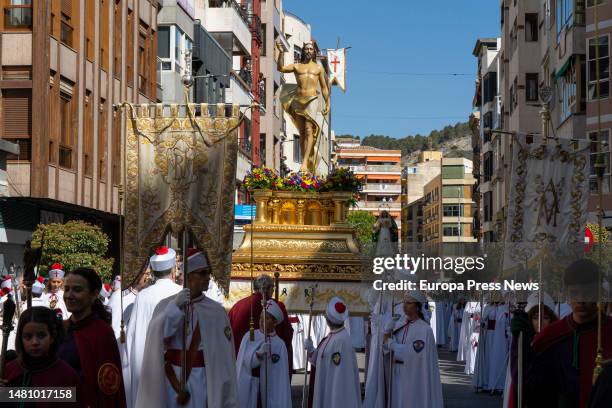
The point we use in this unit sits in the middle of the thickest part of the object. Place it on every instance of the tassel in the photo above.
(251, 330)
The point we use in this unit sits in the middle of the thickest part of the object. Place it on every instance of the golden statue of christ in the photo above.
(303, 101)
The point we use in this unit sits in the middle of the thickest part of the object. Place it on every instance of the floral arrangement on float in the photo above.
(340, 179)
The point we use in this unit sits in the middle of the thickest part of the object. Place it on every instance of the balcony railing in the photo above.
(383, 187)
(379, 205)
(375, 168)
(233, 4)
(256, 28)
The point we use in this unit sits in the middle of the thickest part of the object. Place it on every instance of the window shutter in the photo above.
(16, 114)
(67, 7)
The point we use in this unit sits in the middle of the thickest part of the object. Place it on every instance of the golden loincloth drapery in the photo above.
(310, 111)
(180, 172)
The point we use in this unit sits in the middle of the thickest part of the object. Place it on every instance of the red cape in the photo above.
(100, 364)
(240, 316)
(58, 374)
(561, 330)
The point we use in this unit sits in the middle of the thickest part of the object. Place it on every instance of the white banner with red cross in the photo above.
(337, 67)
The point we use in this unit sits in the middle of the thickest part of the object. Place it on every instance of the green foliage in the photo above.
(74, 244)
(412, 143)
(363, 223)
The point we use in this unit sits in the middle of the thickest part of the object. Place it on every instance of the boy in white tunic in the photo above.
(210, 370)
(335, 373)
(54, 295)
(261, 359)
(415, 381)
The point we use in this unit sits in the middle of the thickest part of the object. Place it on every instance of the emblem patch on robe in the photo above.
(228, 333)
(109, 378)
(418, 345)
(336, 358)
(275, 358)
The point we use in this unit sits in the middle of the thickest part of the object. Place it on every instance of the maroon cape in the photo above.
(240, 316)
(100, 364)
(57, 374)
(586, 336)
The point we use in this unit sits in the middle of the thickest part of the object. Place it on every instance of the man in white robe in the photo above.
(454, 325)
(500, 347)
(415, 378)
(162, 265)
(211, 369)
(336, 376)
(262, 364)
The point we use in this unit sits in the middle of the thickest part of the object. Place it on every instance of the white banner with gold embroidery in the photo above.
(549, 192)
(181, 172)
(337, 67)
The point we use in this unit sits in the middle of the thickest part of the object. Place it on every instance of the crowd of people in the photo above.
(160, 344)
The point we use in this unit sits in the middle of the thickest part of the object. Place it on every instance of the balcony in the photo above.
(382, 188)
(238, 91)
(376, 168)
(379, 205)
(230, 19)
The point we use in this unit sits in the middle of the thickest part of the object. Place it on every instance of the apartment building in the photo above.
(273, 123)
(380, 171)
(412, 222)
(297, 32)
(414, 179)
(63, 65)
(487, 104)
(599, 110)
(448, 204)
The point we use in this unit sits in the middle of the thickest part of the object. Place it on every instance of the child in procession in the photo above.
(262, 365)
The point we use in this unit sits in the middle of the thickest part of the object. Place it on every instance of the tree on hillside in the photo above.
(74, 244)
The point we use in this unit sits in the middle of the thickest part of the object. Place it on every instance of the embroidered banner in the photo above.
(549, 192)
(181, 172)
(337, 67)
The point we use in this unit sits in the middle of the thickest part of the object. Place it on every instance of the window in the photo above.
(262, 148)
(116, 148)
(17, 113)
(591, 3)
(513, 95)
(18, 14)
(531, 82)
(130, 48)
(66, 30)
(102, 138)
(66, 136)
(297, 54)
(163, 42)
(567, 90)
(488, 166)
(604, 67)
(605, 137)
(452, 230)
(489, 87)
(263, 40)
(564, 16)
(142, 63)
(487, 122)
(488, 206)
(452, 192)
(104, 35)
(88, 136)
(297, 154)
(453, 172)
(453, 210)
(531, 26)
(117, 39)
(90, 33)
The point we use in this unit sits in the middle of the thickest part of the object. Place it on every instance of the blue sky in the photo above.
(391, 37)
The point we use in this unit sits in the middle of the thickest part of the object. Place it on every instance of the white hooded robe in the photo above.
(251, 388)
(337, 374)
(416, 375)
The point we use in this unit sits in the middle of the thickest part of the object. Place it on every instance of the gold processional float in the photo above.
(178, 189)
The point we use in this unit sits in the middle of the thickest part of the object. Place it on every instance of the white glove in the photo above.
(182, 298)
(308, 346)
(263, 351)
(389, 326)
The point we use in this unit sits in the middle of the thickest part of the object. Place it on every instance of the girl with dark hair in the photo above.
(39, 334)
(90, 346)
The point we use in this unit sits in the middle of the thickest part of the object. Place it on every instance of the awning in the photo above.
(561, 71)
